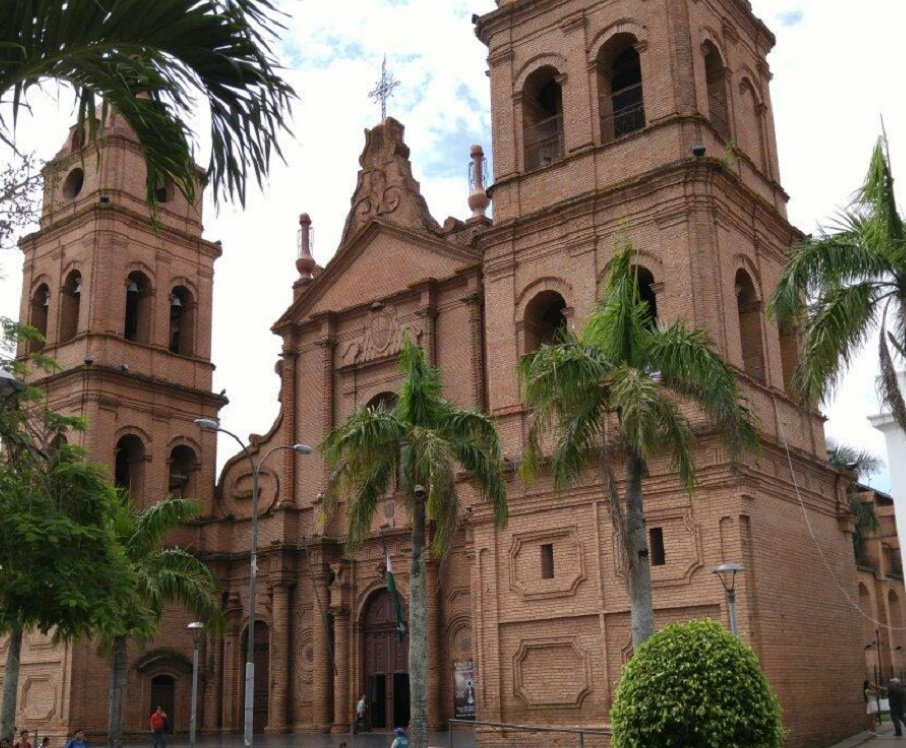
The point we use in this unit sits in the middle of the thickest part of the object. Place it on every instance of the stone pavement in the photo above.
(886, 739)
(307, 740)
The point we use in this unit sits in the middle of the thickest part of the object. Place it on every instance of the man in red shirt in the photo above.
(22, 742)
(158, 728)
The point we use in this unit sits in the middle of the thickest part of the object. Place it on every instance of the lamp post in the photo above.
(209, 424)
(726, 573)
(196, 628)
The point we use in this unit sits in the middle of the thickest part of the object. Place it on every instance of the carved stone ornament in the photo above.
(386, 187)
(382, 336)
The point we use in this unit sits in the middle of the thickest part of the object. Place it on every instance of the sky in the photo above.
(837, 67)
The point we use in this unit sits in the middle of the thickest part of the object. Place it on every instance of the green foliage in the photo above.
(152, 62)
(421, 441)
(838, 288)
(695, 685)
(861, 464)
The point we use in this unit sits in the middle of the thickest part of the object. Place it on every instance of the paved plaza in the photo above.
(463, 739)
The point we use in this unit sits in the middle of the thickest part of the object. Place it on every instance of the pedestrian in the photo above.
(870, 693)
(4, 743)
(400, 741)
(897, 699)
(23, 741)
(45, 742)
(78, 740)
(158, 722)
(361, 716)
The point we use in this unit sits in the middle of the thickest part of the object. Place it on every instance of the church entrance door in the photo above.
(386, 665)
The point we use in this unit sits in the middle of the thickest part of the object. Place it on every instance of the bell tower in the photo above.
(650, 120)
(124, 302)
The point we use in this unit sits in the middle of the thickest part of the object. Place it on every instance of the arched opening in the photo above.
(70, 306)
(73, 184)
(542, 119)
(716, 82)
(386, 663)
(749, 130)
(648, 295)
(749, 309)
(382, 401)
(183, 466)
(40, 306)
(163, 695)
(128, 470)
(545, 318)
(620, 88)
(137, 326)
(182, 321)
(261, 657)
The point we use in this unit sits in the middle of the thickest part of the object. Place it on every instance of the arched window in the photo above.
(716, 81)
(749, 309)
(138, 308)
(542, 119)
(129, 462)
(182, 321)
(645, 281)
(382, 401)
(183, 465)
(40, 305)
(545, 317)
(620, 88)
(70, 306)
(749, 126)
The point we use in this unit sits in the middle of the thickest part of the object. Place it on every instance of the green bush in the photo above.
(695, 685)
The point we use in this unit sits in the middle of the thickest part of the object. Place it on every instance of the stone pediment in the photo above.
(386, 188)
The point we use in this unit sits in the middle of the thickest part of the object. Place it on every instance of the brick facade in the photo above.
(596, 108)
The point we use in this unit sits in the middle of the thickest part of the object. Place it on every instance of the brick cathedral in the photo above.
(646, 116)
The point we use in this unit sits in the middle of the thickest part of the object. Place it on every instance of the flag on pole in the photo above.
(394, 596)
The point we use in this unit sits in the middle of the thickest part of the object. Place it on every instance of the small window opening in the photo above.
(182, 321)
(656, 546)
(73, 184)
(71, 304)
(40, 305)
(547, 561)
(542, 118)
(128, 463)
(749, 309)
(647, 294)
(163, 192)
(545, 319)
(183, 465)
(137, 326)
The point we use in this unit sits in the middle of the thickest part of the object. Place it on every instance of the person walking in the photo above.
(361, 716)
(77, 740)
(400, 741)
(871, 693)
(158, 722)
(896, 697)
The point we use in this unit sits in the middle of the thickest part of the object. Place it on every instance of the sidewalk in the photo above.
(886, 739)
(302, 740)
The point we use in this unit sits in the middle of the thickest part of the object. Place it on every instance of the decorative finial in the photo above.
(478, 197)
(305, 263)
(384, 88)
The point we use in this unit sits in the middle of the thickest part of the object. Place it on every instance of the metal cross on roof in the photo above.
(384, 88)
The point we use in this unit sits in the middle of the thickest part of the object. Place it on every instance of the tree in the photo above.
(421, 442)
(63, 571)
(623, 377)
(838, 288)
(860, 464)
(20, 205)
(695, 685)
(151, 62)
(162, 575)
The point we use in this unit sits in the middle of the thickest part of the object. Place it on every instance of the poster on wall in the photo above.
(463, 689)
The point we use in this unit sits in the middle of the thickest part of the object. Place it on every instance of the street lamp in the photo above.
(209, 424)
(196, 628)
(726, 572)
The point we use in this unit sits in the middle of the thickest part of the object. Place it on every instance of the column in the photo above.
(342, 702)
(279, 659)
(322, 672)
(229, 720)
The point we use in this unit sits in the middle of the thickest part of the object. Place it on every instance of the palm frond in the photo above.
(421, 401)
(675, 435)
(889, 383)
(579, 433)
(634, 397)
(844, 457)
(157, 522)
(175, 575)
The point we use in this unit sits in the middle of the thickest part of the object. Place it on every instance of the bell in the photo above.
(132, 287)
(45, 302)
(175, 301)
(77, 289)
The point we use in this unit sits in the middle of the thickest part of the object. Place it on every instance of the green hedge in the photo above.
(695, 685)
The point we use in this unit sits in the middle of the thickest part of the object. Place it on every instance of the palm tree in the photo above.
(836, 289)
(163, 575)
(152, 62)
(860, 464)
(420, 442)
(618, 387)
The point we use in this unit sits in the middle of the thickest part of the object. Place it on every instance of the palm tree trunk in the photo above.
(418, 631)
(11, 683)
(118, 665)
(639, 577)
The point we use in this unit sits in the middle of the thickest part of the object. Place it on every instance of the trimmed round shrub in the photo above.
(695, 685)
